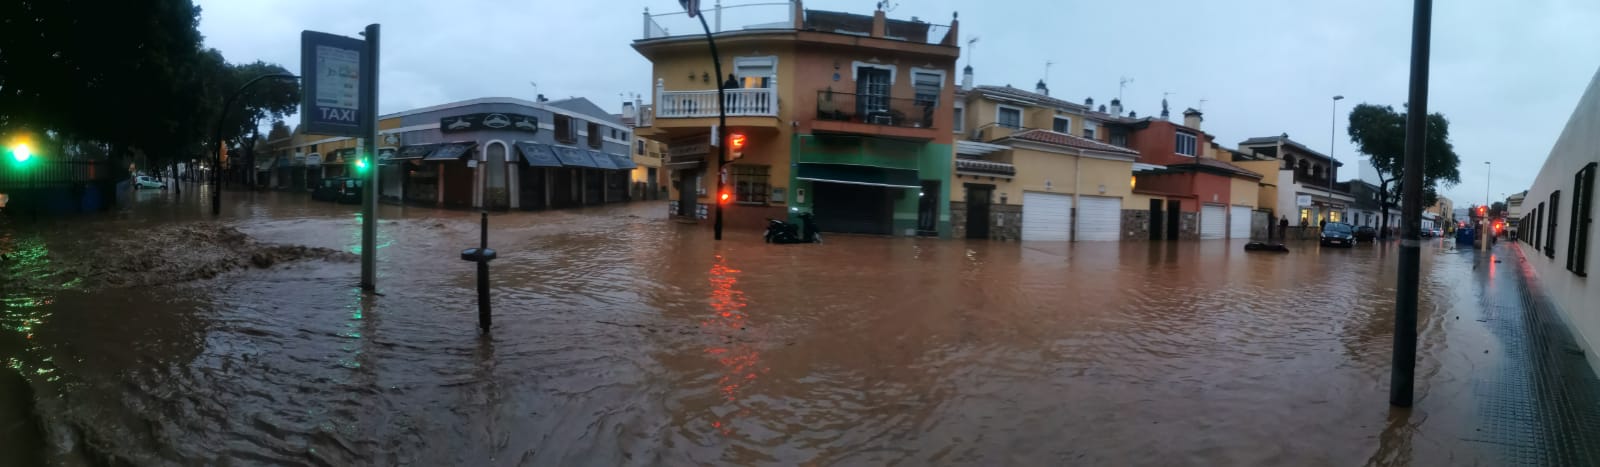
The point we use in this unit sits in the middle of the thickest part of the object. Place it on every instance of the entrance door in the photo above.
(1173, 214)
(650, 183)
(978, 211)
(850, 208)
(928, 209)
(1157, 218)
(687, 192)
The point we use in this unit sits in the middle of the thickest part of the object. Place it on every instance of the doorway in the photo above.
(978, 210)
(851, 208)
(928, 209)
(1173, 208)
(688, 189)
(1157, 218)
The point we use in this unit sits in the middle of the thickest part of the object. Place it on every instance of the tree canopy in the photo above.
(1380, 133)
(129, 75)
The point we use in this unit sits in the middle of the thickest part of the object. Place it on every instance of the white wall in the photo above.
(1575, 296)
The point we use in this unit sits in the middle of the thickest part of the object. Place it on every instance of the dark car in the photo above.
(329, 190)
(1338, 233)
(350, 193)
(1366, 233)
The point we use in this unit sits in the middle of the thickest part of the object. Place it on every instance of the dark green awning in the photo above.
(859, 175)
(538, 154)
(623, 162)
(602, 161)
(415, 151)
(450, 151)
(571, 157)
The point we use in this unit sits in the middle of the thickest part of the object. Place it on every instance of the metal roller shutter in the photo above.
(1099, 219)
(1213, 221)
(1046, 217)
(1238, 222)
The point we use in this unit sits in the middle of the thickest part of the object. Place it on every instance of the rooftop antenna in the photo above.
(1122, 84)
(970, 48)
(1202, 104)
(535, 87)
(1047, 64)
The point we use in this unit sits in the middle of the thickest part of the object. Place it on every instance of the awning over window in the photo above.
(623, 162)
(538, 154)
(417, 151)
(685, 165)
(859, 175)
(266, 163)
(602, 161)
(339, 156)
(571, 157)
(450, 151)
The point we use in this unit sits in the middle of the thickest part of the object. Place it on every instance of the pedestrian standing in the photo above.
(1283, 228)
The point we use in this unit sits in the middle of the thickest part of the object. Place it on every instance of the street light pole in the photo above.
(1488, 171)
(1403, 365)
(722, 125)
(1333, 122)
(216, 137)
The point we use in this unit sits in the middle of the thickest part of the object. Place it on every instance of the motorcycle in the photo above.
(783, 232)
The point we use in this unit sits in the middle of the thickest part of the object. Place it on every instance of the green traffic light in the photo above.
(361, 164)
(20, 153)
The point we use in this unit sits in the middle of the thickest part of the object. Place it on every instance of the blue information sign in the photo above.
(332, 70)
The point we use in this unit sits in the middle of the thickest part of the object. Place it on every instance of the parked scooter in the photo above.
(783, 232)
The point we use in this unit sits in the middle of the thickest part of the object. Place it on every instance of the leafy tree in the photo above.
(1497, 209)
(1380, 133)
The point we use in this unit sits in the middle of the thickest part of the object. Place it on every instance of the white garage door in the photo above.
(1239, 222)
(1046, 217)
(1213, 221)
(1099, 219)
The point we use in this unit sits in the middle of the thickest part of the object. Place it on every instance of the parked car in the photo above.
(350, 191)
(1425, 233)
(1366, 233)
(329, 189)
(1338, 233)
(145, 181)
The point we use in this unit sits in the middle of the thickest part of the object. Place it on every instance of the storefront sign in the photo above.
(313, 160)
(489, 121)
(332, 74)
(687, 151)
(1302, 200)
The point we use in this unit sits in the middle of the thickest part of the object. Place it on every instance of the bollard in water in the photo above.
(482, 255)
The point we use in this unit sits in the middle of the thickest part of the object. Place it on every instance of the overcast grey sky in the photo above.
(1507, 78)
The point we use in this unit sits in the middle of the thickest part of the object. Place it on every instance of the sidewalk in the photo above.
(1541, 406)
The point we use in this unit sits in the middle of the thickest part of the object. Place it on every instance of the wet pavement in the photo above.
(621, 338)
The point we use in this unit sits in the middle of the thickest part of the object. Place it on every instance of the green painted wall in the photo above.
(930, 160)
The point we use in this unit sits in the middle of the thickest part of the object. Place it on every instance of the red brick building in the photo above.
(1220, 195)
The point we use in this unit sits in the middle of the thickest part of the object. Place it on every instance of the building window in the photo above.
(926, 84)
(1538, 223)
(1582, 219)
(1119, 138)
(755, 72)
(1550, 231)
(1062, 125)
(749, 183)
(594, 135)
(1009, 117)
(1088, 128)
(960, 114)
(1186, 144)
(638, 147)
(564, 130)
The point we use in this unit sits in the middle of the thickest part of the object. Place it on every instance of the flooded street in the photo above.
(623, 339)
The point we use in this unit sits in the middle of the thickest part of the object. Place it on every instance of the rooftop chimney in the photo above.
(966, 78)
(1041, 88)
(541, 98)
(629, 113)
(1132, 114)
(1192, 118)
(1165, 115)
(1102, 108)
(1088, 102)
(1116, 107)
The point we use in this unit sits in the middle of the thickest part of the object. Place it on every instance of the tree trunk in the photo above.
(175, 185)
(1383, 205)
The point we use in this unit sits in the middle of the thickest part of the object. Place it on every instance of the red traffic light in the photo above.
(724, 198)
(736, 141)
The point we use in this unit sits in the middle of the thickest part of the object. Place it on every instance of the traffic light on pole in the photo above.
(736, 143)
(725, 197)
(20, 152)
(361, 165)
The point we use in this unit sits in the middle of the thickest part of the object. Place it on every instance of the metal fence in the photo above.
(876, 109)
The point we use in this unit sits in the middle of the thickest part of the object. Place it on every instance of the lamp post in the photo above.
(1333, 122)
(1488, 169)
(216, 175)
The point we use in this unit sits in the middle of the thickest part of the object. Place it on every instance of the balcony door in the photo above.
(872, 94)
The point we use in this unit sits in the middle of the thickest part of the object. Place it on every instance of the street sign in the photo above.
(692, 7)
(331, 67)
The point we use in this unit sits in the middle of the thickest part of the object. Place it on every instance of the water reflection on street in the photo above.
(622, 338)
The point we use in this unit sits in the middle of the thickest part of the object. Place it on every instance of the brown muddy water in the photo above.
(156, 336)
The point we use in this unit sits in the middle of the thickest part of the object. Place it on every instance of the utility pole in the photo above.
(693, 8)
(1402, 376)
(1333, 121)
(369, 150)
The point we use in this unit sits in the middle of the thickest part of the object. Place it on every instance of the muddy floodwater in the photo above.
(156, 335)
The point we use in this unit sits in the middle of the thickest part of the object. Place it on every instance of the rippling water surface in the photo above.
(624, 339)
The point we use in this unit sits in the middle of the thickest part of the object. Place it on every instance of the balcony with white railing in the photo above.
(702, 103)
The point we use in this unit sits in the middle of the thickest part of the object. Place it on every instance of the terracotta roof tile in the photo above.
(1047, 136)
